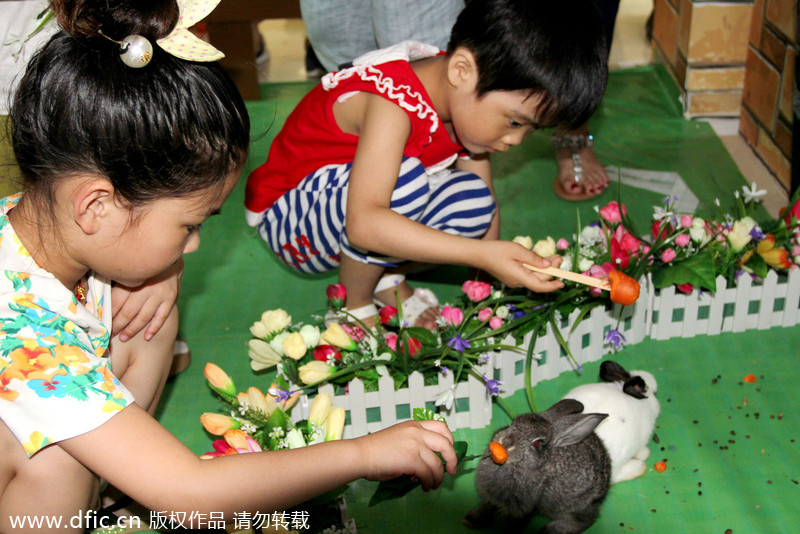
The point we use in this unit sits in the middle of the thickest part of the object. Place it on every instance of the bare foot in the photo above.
(593, 176)
(427, 319)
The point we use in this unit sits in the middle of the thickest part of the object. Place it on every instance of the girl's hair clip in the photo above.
(136, 51)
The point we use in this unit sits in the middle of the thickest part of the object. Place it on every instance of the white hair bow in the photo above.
(184, 44)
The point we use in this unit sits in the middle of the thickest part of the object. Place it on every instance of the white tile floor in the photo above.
(286, 41)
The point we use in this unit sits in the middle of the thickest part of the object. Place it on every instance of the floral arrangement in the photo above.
(681, 250)
(256, 422)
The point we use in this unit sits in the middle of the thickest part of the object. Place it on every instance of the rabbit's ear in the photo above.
(562, 408)
(573, 428)
(613, 372)
(635, 387)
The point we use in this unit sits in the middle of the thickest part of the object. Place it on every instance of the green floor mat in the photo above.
(730, 447)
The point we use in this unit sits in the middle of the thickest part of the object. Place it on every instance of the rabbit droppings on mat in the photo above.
(630, 401)
(555, 467)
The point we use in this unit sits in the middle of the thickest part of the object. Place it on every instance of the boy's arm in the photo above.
(371, 224)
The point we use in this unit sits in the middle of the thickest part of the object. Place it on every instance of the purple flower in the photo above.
(492, 386)
(484, 358)
(458, 343)
(516, 313)
(615, 337)
(280, 394)
(757, 234)
(444, 370)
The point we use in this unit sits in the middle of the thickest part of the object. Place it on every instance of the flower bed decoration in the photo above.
(492, 341)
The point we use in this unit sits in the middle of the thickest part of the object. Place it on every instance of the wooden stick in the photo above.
(569, 275)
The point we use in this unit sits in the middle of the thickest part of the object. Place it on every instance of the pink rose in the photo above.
(599, 272)
(684, 288)
(611, 212)
(452, 315)
(355, 332)
(336, 294)
(626, 240)
(686, 221)
(484, 314)
(562, 244)
(476, 291)
(668, 255)
(495, 322)
(324, 353)
(389, 316)
(391, 341)
(682, 240)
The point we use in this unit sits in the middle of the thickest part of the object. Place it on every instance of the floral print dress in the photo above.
(55, 376)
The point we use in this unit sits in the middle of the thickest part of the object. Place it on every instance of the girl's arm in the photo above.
(371, 224)
(141, 458)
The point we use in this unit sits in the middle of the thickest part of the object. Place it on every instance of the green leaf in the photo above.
(423, 335)
(697, 270)
(758, 265)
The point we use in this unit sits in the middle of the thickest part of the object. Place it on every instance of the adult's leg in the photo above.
(339, 30)
(427, 21)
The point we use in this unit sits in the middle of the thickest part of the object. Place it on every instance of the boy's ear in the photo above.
(461, 67)
(92, 203)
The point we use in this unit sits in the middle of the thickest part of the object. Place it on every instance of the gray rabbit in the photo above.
(555, 467)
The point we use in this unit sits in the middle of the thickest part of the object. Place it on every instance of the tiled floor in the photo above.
(286, 41)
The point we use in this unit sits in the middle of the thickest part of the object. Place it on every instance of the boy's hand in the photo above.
(409, 449)
(148, 305)
(504, 260)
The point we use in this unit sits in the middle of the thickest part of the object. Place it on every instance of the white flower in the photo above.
(277, 342)
(258, 329)
(382, 369)
(590, 235)
(262, 355)
(698, 230)
(660, 213)
(275, 320)
(277, 433)
(752, 193)
(447, 399)
(310, 335)
(294, 439)
(739, 235)
(567, 263)
(502, 312)
(524, 240)
(545, 247)
(584, 264)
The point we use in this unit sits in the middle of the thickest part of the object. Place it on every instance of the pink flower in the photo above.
(686, 221)
(452, 315)
(484, 314)
(337, 294)
(682, 240)
(791, 215)
(618, 254)
(599, 272)
(476, 291)
(668, 255)
(611, 212)
(324, 353)
(626, 240)
(562, 244)
(495, 322)
(355, 332)
(391, 341)
(684, 288)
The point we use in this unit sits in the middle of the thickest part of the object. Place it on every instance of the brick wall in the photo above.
(704, 47)
(767, 99)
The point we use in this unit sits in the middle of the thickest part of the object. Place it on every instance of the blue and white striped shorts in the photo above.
(306, 226)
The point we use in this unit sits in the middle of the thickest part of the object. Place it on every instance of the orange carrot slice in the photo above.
(660, 466)
(498, 452)
(624, 289)
(750, 379)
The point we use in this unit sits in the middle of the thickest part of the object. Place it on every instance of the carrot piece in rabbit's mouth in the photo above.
(498, 453)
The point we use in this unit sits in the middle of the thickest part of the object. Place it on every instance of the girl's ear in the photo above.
(461, 67)
(92, 204)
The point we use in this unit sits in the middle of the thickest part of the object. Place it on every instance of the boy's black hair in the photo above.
(169, 129)
(552, 48)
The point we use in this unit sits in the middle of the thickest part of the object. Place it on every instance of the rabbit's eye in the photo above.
(538, 443)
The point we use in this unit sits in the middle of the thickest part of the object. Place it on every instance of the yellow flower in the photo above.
(262, 356)
(739, 236)
(219, 379)
(294, 346)
(334, 426)
(259, 330)
(275, 320)
(545, 247)
(335, 335)
(320, 408)
(218, 424)
(258, 401)
(524, 240)
(315, 371)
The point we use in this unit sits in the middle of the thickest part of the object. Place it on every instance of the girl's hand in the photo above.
(504, 260)
(409, 449)
(148, 305)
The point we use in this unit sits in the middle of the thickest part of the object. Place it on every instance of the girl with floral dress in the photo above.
(387, 161)
(129, 136)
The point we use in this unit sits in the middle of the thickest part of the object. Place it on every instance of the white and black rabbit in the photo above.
(629, 399)
(556, 467)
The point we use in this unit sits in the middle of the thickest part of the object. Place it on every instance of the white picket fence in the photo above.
(660, 315)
